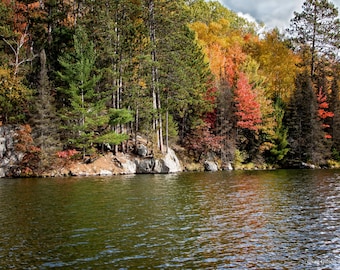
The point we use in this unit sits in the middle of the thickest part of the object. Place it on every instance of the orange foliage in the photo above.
(22, 12)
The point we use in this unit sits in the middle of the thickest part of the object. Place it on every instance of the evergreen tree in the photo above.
(44, 118)
(305, 135)
(82, 111)
(317, 26)
(335, 108)
(279, 141)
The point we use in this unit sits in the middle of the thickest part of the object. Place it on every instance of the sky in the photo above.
(274, 13)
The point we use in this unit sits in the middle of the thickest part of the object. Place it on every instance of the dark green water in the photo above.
(282, 219)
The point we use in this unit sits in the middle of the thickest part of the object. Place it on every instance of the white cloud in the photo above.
(274, 13)
(247, 16)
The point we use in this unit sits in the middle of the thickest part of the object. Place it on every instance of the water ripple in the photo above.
(235, 220)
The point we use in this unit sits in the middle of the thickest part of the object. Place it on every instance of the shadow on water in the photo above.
(284, 219)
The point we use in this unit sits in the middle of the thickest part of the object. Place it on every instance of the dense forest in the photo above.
(83, 77)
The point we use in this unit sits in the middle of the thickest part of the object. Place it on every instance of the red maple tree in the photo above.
(323, 112)
(248, 109)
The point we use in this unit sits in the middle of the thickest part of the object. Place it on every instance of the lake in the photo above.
(283, 219)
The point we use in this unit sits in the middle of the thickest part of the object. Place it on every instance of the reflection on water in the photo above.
(228, 220)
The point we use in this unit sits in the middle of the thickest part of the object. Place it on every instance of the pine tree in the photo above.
(318, 26)
(82, 111)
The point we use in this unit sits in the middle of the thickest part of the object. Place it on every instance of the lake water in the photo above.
(284, 219)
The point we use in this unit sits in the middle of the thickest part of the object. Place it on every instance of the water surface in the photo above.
(285, 219)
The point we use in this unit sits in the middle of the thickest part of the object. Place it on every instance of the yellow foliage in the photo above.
(278, 63)
(13, 93)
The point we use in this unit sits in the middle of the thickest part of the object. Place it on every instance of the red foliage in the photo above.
(24, 144)
(323, 105)
(67, 154)
(322, 110)
(248, 109)
(202, 141)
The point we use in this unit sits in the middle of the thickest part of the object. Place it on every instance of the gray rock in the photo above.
(171, 163)
(168, 164)
(105, 173)
(228, 167)
(210, 166)
(142, 150)
(9, 157)
(2, 173)
(146, 165)
(129, 167)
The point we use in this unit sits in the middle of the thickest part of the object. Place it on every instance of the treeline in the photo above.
(93, 75)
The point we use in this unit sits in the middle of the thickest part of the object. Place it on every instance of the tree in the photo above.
(335, 108)
(247, 108)
(207, 12)
(44, 118)
(117, 118)
(202, 141)
(323, 111)
(277, 63)
(279, 141)
(184, 80)
(14, 96)
(305, 135)
(317, 26)
(82, 111)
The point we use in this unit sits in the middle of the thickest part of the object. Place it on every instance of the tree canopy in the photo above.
(189, 71)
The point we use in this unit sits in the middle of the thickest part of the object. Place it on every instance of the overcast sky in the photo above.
(274, 13)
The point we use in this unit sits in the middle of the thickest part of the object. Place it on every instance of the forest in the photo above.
(84, 77)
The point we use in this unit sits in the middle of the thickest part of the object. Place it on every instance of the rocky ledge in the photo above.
(110, 164)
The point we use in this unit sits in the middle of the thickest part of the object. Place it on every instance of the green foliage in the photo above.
(111, 138)
(239, 159)
(279, 140)
(120, 116)
(82, 112)
(335, 155)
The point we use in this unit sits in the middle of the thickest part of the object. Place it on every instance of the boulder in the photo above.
(142, 150)
(210, 166)
(168, 164)
(228, 167)
(145, 165)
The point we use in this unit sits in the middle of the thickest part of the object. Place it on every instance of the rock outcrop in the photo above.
(167, 164)
(9, 157)
(125, 164)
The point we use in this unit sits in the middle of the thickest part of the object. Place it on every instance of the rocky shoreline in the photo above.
(140, 162)
(102, 165)
(109, 164)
